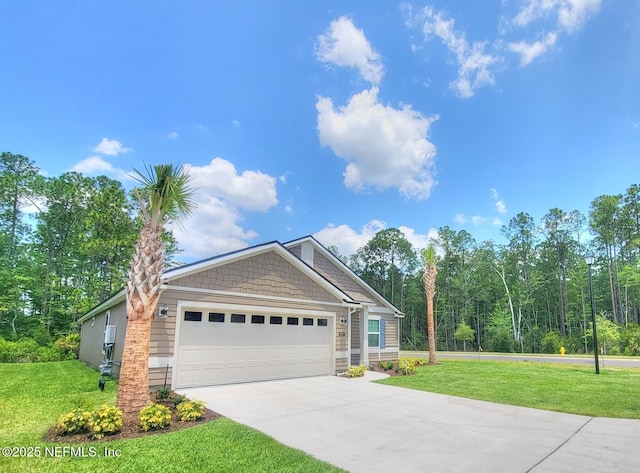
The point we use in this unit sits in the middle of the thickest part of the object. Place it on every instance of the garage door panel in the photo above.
(212, 335)
(191, 334)
(224, 352)
(190, 355)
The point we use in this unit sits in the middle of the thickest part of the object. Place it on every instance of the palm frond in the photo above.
(165, 193)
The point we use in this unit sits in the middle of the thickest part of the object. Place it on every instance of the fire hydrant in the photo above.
(562, 350)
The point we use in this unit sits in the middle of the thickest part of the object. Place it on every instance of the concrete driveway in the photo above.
(367, 427)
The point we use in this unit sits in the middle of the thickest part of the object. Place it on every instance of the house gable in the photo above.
(266, 273)
(331, 268)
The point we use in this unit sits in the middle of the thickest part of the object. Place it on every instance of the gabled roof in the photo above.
(346, 269)
(226, 258)
(209, 263)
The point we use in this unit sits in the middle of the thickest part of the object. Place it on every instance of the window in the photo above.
(374, 333)
(275, 320)
(216, 317)
(292, 320)
(257, 319)
(322, 322)
(307, 321)
(237, 318)
(192, 316)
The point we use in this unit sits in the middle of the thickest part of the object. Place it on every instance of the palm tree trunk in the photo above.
(431, 332)
(133, 389)
(143, 291)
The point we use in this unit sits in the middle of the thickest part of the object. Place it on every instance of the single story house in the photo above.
(271, 311)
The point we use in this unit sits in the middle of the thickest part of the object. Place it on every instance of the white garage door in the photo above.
(232, 346)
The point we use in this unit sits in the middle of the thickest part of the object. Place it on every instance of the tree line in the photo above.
(66, 243)
(529, 294)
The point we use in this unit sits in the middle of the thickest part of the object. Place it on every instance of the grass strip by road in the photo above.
(573, 389)
(32, 396)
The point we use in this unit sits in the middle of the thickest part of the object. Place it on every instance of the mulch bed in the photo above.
(131, 429)
(391, 372)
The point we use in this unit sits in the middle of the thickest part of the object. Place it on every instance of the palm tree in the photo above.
(429, 280)
(165, 196)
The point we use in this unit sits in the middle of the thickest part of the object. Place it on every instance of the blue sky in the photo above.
(333, 118)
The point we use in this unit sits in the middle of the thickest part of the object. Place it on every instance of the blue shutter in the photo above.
(383, 333)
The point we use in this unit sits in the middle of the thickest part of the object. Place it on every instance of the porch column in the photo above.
(349, 319)
(364, 332)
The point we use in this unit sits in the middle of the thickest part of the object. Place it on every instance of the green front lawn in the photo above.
(575, 389)
(32, 396)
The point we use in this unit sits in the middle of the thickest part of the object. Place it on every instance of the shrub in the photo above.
(551, 342)
(190, 410)
(356, 371)
(386, 365)
(74, 422)
(49, 353)
(630, 340)
(406, 366)
(500, 340)
(420, 361)
(69, 346)
(21, 351)
(154, 416)
(27, 350)
(177, 400)
(105, 420)
(163, 393)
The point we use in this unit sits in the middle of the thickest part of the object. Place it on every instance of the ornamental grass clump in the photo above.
(154, 416)
(190, 411)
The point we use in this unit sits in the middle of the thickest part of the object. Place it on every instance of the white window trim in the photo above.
(374, 317)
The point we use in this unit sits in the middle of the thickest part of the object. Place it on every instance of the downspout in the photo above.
(351, 306)
(350, 310)
(364, 344)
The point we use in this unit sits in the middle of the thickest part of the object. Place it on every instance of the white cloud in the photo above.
(348, 240)
(568, 15)
(96, 166)
(460, 218)
(529, 51)
(221, 197)
(343, 44)
(532, 11)
(571, 15)
(213, 228)
(477, 220)
(474, 64)
(384, 147)
(235, 123)
(417, 240)
(497, 222)
(498, 202)
(172, 135)
(251, 190)
(109, 147)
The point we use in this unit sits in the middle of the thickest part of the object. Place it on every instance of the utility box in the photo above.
(110, 335)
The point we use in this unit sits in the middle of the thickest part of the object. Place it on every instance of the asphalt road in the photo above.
(625, 362)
